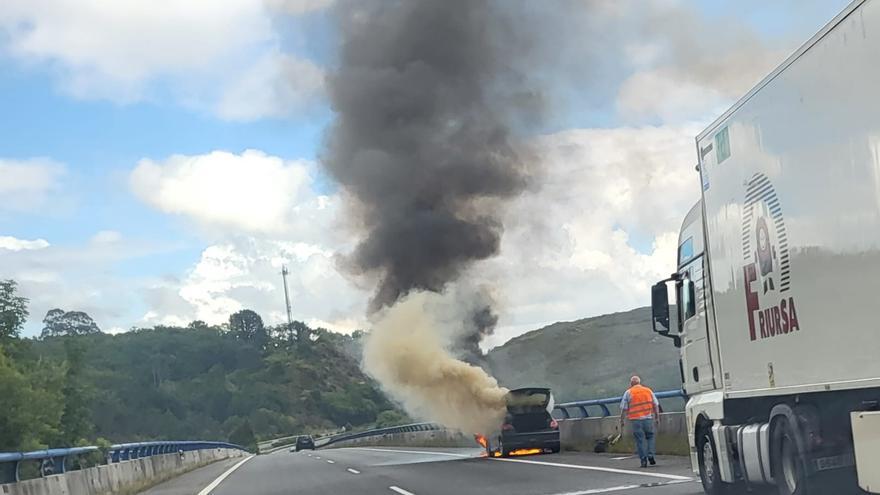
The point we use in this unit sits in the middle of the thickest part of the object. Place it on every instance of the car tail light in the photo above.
(553, 424)
(507, 427)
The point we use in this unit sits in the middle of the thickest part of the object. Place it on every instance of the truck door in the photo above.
(696, 361)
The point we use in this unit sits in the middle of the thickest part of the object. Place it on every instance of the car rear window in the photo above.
(527, 402)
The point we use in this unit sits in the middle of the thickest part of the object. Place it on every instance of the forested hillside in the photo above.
(589, 358)
(198, 382)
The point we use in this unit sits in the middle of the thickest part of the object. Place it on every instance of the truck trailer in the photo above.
(778, 281)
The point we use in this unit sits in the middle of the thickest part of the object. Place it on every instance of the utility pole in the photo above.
(284, 273)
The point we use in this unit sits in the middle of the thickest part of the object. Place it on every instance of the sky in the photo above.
(159, 160)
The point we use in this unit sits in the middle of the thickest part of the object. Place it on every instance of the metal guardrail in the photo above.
(563, 408)
(604, 403)
(382, 431)
(54, 461)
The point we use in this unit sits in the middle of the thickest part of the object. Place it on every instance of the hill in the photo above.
(589, 358)
(185, 383)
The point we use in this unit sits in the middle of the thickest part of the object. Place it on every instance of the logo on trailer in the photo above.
(767, 264)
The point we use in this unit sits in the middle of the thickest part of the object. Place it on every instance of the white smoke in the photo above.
(409, 352)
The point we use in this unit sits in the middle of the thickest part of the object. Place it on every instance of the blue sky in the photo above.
(95, 111)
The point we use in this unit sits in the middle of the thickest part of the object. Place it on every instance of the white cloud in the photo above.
(607, 218)
(685, 67)
(124, 49)
(250, 192)
(246, 273)
(275, 86)
(28, 184)
(107, 237)
(14, 244)
(76, 277)
(298, 7)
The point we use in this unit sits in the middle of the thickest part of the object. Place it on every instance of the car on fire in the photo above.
(528, 427)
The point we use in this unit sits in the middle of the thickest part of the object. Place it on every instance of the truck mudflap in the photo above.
(866, 443)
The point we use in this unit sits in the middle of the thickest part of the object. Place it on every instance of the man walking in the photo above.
(640, 406)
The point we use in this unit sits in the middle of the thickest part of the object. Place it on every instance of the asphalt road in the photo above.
(407, 471)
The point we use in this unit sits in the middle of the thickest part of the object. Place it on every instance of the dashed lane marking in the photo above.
(353, 471)
(399, 490)
(652, 474)
(330, 462)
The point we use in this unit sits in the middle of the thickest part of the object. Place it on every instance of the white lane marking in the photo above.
(623, 458)
(413, 452)
(214, 484)
(330, 462)
(597, 468)
(318, 458)
(601, 490)
(622, 488)
(399, 490)
(353, 471)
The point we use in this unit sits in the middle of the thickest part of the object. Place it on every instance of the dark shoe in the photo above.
(644, 463)
(652, 461)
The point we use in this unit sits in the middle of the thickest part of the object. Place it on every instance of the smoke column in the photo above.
(426, 97)
(406, 352)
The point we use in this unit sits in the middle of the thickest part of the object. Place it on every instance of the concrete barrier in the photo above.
(582, 434)
(126, 477)
(579, 434)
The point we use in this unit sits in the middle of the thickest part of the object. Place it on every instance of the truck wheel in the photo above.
(707, 454)
(788, 463)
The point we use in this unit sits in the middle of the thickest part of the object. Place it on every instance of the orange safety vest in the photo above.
(641, 402)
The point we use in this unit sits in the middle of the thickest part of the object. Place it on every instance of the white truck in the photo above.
(778, 281)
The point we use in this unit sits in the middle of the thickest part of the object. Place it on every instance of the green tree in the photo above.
(390, 417)
(13, 310)
(244, 435)
(59, 323)
(247, 325)
(75, 421)
(303, 333)
(31, 405)
(198, 325)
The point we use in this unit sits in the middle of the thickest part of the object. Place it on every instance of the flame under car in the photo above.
(528, 427)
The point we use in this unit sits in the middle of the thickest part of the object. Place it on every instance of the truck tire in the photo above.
(710, 475)
(788, 463)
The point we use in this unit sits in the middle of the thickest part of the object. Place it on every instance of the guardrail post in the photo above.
(584, 413)
(605, 410)
(9, 472)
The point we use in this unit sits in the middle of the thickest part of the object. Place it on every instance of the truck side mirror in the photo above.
(660, 310)
(660, 307)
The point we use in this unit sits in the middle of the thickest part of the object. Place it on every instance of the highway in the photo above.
(430, 471)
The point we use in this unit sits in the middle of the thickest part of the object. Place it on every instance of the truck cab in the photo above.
(777, 276)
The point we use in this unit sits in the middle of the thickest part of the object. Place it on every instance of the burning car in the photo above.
(528, 427)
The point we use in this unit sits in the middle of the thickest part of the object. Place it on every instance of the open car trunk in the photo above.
(528, 409)
(523, 423)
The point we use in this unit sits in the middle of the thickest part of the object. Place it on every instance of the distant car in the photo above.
(528, 427)
(304, 442)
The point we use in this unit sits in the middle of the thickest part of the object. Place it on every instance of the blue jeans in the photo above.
(643, 431)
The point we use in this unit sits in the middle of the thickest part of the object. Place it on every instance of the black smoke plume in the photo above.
(427, 99)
